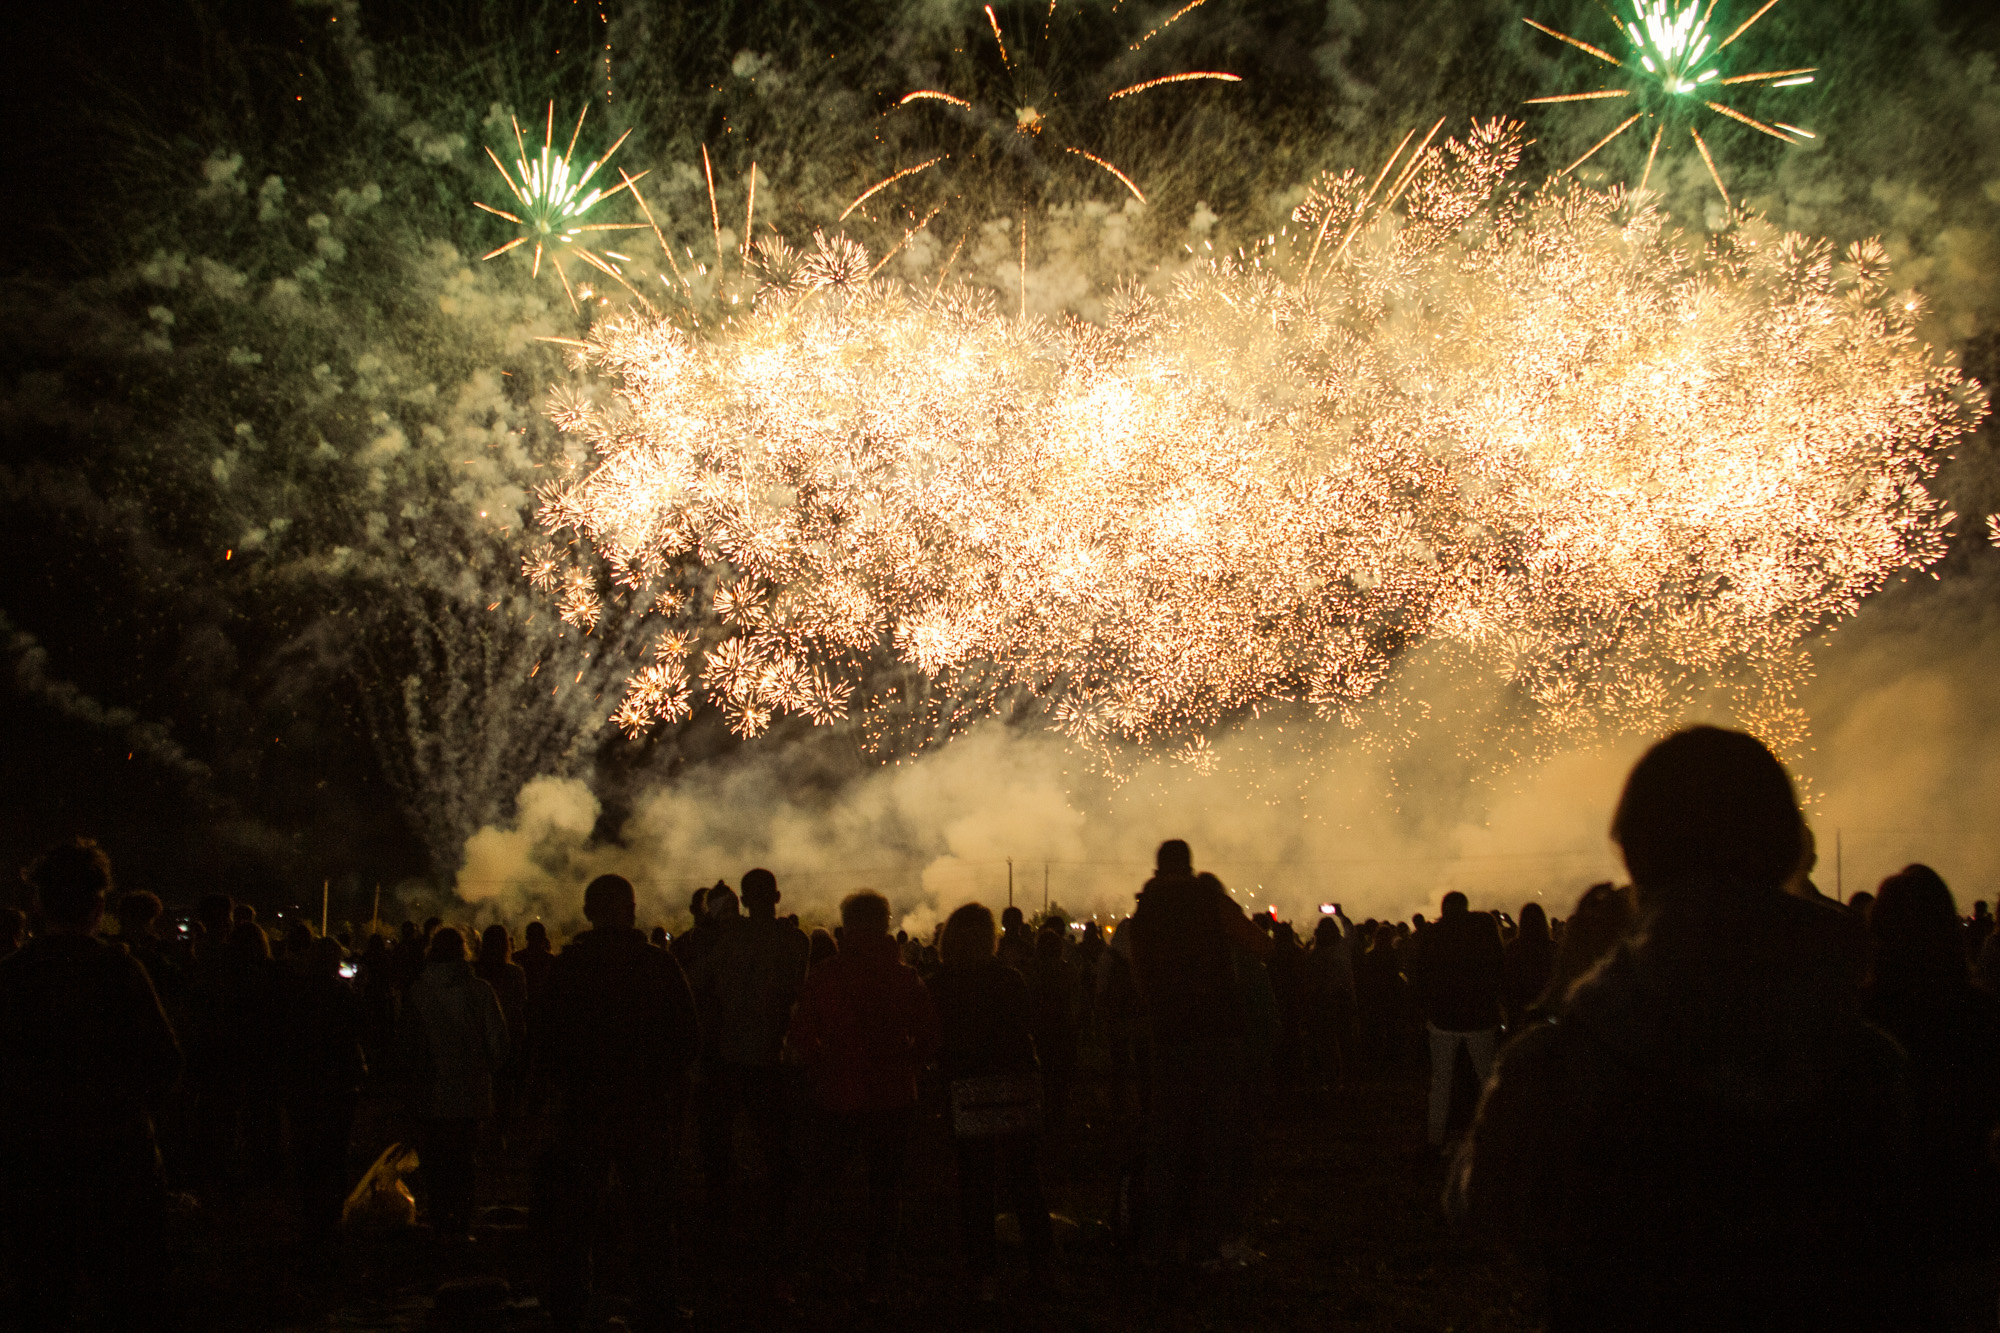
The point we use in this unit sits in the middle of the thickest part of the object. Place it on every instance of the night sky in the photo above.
(219, 721)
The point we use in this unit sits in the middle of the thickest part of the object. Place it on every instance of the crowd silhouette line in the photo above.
(1711, 1098)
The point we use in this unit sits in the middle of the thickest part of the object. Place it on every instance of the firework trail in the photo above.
(1029, 96)
(1536, 427)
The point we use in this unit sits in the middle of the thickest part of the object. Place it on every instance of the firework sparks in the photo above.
(1187, 76)
(1538, 429)
(933, 95)
(886, 182)
(554, 197)
(1123, 179)
(1675, 65)
(1170, 21)
(1033, 97)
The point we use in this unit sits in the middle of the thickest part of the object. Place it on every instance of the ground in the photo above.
(1348, 1215)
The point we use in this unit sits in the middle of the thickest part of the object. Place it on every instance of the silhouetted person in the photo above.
(1986, 968)
(299, 940)
(1053, 1011)
(1530, 963)
(216, 913)
(85, 1054)
(535, 959)
(1457, 974)
(744, 989)
(1288, 979)
(1847, 930)
(1978, 930)
(325, 1067)
(987, 1056)
(711, 907)
(138, 918)
(1699, 1138)
(457, 1041)
(205, 1037)
(1121, 1021)
(1089, 948)
(1263, 1038)
(1184, 929)
(864, 1027)
(1017, 943)
(819, 947)
(1330, 996)
(410, 946)
(1921, 993)
(496, 967)
(381, 1001)
(721, 908)
(1378, 984)
(1601, 918)
(250, 1005)
(615, 1045)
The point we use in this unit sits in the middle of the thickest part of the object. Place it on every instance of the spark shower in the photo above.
(1607, 463)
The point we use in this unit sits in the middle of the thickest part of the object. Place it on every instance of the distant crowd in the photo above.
(1711, 1098)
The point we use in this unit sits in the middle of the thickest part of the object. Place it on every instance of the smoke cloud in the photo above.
(1906, 714)
(1907, 720)
(1288, 816)
(33, 679)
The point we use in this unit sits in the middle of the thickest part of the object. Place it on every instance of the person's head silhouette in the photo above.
(610, 904)
(969, 937)
(1709, 810)
(1918, 939)
(864, 917)
(70, 881)
(760, 892)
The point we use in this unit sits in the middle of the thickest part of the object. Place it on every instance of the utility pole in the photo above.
(325, 896)
(1839, 884)
(1045, 888)
(1010, 881)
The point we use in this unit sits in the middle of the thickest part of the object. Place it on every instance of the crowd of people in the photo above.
(1711, 1098)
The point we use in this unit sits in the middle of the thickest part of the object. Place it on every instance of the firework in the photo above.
(553, 196)
(1675, 71)
(1034, 113)
(1537, 428)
